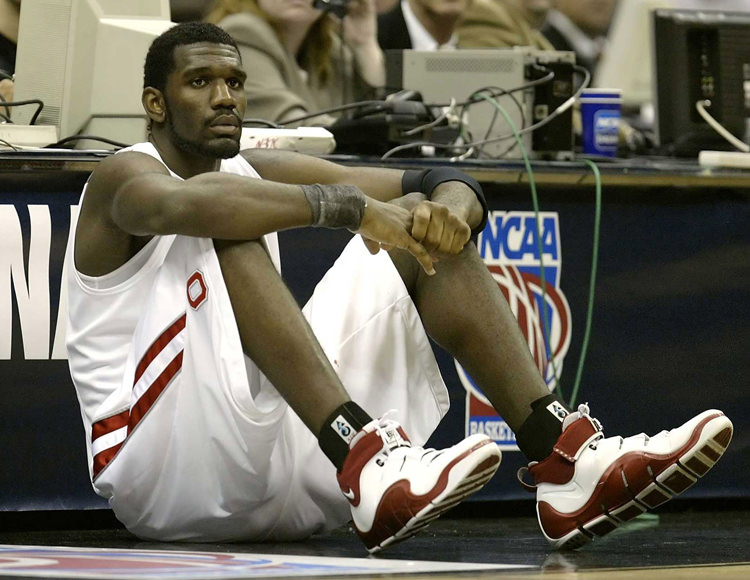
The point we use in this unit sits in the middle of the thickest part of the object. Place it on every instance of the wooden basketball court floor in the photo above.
(683, 540)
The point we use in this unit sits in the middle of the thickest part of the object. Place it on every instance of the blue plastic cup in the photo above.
(601, 110)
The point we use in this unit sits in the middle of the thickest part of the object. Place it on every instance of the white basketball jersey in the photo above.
(103, 313)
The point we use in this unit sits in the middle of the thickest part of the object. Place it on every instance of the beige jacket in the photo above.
(497, 24)
(277, 89)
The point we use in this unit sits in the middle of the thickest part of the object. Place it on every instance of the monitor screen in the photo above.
(713, 52)
(84, 60)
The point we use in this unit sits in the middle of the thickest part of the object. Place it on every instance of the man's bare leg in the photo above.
(464, 311)
(373, 473)
(275, 334)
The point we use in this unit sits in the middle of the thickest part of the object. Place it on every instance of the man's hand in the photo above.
(387, 226)
(439, 230)
(434, 227)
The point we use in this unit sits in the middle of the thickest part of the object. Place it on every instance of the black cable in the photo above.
(72, 138)
(39, 104)
(494, 93)
(556, 113)
(346, 107)
(531, 84)
(254, 122)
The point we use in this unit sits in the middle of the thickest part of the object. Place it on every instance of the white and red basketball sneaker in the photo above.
(590, 485)
(396, 489)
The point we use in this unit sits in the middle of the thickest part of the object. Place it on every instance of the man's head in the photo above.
(160, 57)
(194, 90)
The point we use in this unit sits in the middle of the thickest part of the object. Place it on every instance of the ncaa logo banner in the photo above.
(510, 247)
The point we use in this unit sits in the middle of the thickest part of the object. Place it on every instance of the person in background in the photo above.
(421, 24)
(504, 23)
(297, 61)
(383, 6)
(9, 16)
(580, 26)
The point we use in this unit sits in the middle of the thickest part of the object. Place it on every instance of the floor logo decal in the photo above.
(97, 563)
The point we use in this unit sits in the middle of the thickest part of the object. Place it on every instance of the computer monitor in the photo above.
(84, 60)
(701, 56)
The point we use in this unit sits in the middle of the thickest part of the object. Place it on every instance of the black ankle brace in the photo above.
(339, 429)
(537, 436)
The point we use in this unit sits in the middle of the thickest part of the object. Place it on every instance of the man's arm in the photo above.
(210, 205)
(131, 196)
(376, 182)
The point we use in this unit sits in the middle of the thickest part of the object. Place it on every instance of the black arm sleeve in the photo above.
(426, 180)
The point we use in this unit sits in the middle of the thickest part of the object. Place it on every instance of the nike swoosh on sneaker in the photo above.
(349, 494)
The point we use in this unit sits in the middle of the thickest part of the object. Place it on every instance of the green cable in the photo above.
(592, 281)
(535, 201)
(594, 258)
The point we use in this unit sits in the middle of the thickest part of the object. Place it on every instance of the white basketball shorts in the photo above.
(219, 456)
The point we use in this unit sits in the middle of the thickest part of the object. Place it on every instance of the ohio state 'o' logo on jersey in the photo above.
(197, 291)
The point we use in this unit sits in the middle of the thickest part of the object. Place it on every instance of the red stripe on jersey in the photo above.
(102, 458)
(109, 424)
(155, 389)
(131, 417)
(159, 345)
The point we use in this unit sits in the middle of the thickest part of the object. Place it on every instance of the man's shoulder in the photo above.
(126, 161)
(116, 169)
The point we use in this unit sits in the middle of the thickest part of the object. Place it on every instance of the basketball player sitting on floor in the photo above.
(216, 410)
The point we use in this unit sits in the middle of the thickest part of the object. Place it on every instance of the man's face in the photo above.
(443, 8)
(205, 100)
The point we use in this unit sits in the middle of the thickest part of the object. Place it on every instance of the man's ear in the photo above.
(154, 105)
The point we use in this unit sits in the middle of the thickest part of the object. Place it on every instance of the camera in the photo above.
(337, 7)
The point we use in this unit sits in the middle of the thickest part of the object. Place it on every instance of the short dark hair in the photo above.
(160, 58)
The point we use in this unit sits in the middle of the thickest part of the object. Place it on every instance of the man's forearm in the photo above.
(461, 199)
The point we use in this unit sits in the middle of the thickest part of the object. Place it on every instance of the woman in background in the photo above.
(295, 59)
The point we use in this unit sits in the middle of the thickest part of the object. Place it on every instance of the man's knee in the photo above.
(411, 272)
(407, 267)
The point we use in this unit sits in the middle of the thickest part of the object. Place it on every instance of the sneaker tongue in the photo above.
(583, 411)
(570, 419)
(391, 437)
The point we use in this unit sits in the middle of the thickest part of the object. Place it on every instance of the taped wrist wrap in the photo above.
(335, 206)
(426, 180)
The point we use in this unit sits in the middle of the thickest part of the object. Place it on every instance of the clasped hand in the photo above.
(427, 230)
